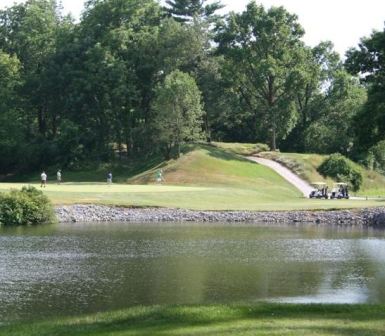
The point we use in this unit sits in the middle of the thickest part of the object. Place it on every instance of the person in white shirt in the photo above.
(43, 179)
(58, 176)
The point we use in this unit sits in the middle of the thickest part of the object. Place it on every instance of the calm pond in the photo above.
(84, 268)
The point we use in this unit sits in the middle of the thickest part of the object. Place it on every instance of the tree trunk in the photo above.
(167, 152)
(273, 139)
(208, 133)
(271, 104)
(178, 148)
(41, 121)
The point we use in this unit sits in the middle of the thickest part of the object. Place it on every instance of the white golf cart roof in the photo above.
(340, 184)
(318, 183)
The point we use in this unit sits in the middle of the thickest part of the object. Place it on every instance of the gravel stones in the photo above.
(97, 213)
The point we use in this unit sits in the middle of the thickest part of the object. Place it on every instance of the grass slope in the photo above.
(260, 319)
(210, 166)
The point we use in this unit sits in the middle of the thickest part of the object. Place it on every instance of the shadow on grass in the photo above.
(162, 320)
(223, 154)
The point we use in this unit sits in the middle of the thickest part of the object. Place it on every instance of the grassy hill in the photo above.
(211, 166)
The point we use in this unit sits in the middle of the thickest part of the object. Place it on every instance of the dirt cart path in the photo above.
(287, 174)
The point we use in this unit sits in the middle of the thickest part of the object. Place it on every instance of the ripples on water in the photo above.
(66, 270)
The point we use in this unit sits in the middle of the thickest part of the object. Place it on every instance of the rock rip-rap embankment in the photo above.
(372, 217)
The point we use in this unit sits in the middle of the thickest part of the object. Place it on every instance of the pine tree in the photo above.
(187, 10)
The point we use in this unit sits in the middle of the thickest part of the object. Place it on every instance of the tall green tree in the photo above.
(9, 80)
(116, 71)
(11, 135)
(188, 48)
(368, 61)
(320, 67)
(198, 18)
(179, 47)
(333, 130)
(178, 111)
(29, 31)
(265, 49)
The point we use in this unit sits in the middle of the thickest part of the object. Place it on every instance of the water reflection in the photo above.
(71, 269)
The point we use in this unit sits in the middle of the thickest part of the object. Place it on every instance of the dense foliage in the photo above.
(27, 206)
(341, 169)
(368, 61)
(376, 157)
(266, 48)
(178, 111)
(96, 89)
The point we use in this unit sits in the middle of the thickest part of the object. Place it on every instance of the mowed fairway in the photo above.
(197, 198)
(205, 178)
(205, 198)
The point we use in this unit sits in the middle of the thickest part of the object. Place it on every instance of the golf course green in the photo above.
(204, 178)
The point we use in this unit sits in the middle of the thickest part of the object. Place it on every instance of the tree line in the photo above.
(133, 77)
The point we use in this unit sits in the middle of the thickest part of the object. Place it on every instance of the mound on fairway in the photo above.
(215, 167)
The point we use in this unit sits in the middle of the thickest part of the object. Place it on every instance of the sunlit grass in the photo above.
(205, 178)
(187, 197)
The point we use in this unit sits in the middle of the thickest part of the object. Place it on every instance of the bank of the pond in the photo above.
(372, 217)
(259, 319)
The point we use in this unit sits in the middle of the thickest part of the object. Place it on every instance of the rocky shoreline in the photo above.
(371, 217)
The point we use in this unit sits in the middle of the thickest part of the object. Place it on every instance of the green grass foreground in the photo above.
(260, 319)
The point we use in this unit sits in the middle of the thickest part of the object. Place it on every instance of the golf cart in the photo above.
(339, 191)
(320, 190)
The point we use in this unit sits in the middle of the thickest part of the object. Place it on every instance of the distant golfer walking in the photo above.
(159, 176)
(109, 178)
(43, 178)
(58, 176)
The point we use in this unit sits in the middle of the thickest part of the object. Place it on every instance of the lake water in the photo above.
(66, 270)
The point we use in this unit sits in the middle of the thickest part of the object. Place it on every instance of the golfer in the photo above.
(159, 176)
(109, 178)
(43, 178)
(58, 176)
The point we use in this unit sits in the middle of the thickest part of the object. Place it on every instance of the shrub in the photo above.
(27, 206)
(261, 147)
(341, 169)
